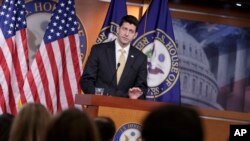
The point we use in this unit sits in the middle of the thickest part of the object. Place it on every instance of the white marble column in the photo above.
(222, 74)
(236, 99)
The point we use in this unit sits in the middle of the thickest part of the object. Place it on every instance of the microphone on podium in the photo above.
(113, 76)
(118, 65)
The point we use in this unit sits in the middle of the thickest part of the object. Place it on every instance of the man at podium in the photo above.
(117, 67)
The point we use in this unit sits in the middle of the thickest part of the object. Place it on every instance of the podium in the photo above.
(123, 110)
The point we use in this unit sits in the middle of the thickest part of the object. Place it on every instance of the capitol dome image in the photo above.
(198, 84)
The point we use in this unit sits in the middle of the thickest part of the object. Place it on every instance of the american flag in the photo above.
(55, 72)
(13, 54)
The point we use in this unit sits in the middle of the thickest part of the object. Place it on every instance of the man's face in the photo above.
(126, 33)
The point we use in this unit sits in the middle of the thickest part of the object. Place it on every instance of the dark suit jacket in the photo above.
(100, 71)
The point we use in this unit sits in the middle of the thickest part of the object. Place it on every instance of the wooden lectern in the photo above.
(124, 110)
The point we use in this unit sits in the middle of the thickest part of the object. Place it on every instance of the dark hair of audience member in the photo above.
(106, 128)
(31, 123)
(172, 123)
(72, 125)
(5, 126)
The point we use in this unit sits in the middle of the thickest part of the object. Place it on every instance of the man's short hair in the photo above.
(129, 19)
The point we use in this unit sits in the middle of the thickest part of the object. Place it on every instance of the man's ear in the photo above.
(117, 29)
(136, 33)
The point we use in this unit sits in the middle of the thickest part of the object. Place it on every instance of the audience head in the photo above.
(106, 128)
(72, 125)
(5, 126)
(173, 123)
(30, 123)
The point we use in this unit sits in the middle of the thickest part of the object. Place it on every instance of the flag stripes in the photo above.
(55, 72)
(14, 64)
(56, 80)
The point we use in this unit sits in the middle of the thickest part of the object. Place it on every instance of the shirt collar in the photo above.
(118, 47)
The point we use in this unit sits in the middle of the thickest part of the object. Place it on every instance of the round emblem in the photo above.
(128, 132)
(108, 33)
(38, 17)
(163, 62)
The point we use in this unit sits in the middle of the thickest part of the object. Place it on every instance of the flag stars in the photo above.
(63, 22)
(54, 24)
(62, 4)
(49, 37)
(12, 19)
(9, 31)
(52, 30)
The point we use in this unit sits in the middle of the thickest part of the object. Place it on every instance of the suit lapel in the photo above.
(111, 60)
(129, 62)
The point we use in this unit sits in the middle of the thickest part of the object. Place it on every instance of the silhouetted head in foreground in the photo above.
(5, 126)
(72, 125)
(31, 123)
(172, 123)
(106, 128)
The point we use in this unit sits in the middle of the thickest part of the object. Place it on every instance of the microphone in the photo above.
(113, 76)
(118, 65)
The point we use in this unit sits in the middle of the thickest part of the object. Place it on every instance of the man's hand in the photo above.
(134, 93)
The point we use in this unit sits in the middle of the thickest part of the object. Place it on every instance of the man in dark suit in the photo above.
(116, 66)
